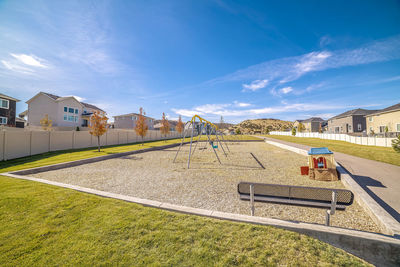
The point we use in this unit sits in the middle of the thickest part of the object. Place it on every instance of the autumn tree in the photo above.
(164, 125)
(141, 125)
(180, 126)
(98, 126)
(46, 123)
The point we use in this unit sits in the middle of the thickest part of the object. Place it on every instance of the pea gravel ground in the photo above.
(208, 184)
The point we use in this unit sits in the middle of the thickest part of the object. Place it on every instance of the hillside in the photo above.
(262, 126)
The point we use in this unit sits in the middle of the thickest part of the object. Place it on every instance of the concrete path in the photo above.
(380, 180)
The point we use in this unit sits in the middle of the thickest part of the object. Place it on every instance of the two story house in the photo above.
(388, 117)
(8, 106)
(352, 121)
(313, 124)
(128, 121)
(63, 111)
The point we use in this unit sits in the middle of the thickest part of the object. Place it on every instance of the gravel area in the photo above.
(208, 184)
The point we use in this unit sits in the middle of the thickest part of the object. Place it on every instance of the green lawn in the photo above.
(43, 225)
(383, 154)
(77, 154)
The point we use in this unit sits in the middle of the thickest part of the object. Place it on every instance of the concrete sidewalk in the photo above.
(380, 180)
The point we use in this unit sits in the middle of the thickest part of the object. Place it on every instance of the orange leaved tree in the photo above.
(98, 126)
(180, 126)
(164, 125)
(141, 125)
(46, 123)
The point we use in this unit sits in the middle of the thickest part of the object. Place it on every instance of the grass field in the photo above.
(77, 154)
(44, 225)
(383, 154)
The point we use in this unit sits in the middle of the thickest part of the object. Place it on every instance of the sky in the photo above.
(237, 59)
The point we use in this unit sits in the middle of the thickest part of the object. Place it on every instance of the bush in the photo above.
(396, 144)
(294, 131)
(77, 129)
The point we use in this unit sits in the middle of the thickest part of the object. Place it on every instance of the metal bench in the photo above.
(315, 197)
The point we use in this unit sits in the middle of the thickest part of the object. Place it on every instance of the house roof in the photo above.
(56, 98)
(131, 114)
(8, 97)
(353, 112)
(395, 107)
(23, 114)
(314, 119)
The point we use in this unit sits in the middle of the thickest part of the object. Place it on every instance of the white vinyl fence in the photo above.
(16, 144)
(366, 141)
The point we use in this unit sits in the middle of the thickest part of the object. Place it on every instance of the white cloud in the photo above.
(30, 60)
(255, 85)
(283, 70)
(241, 104)
(80, 99)
(286, 90)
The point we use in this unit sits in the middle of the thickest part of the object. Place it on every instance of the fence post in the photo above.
(73, 139)
(30, 143)
(4, 145)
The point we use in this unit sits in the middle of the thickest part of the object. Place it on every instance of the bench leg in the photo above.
(252, 199)
(328, 218)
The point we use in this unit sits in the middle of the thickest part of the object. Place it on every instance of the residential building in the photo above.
(313, 124)
(128, 121)
(296, 123)
(63, 111)
(352, 121)
(8, 106)
(388, 117)
(158, 124)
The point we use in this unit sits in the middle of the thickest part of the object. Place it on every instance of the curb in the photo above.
(375, 248)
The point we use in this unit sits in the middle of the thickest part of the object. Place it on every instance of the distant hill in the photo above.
(262, 126)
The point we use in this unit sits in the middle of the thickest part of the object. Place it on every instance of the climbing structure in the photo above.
(198, 128)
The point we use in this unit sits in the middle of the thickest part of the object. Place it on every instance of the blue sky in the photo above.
(236, 59)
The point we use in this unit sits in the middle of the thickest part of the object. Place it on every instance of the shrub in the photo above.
(294, 131)
(396, 144)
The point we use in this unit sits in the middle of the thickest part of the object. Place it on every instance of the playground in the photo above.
(211, 181)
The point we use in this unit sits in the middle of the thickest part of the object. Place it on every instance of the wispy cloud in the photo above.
(286, 90)
(288, 69)
(241, 104)
(25, 64)
(30, 60)
(255, 85)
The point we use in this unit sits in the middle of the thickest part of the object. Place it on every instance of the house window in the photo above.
(65, 109)
(349, 127)
(76, 118)
(398, 127)
(70, 110)
(359, 127)
(370, 119)
(382, 129)
(3, 120)
(65, 117)
(371, 129)
(70, 118)
(4, 103)
(76, 111)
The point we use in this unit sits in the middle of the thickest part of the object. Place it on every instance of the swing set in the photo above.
(208, 128)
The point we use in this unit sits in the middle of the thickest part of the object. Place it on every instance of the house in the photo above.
(63, 111)
(158, 124)
(352, 121)
(388, 117)
(8, 106)
(313, 124)
(128, 121)
(296, 123)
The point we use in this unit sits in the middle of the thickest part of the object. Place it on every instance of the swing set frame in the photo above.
(209, 128)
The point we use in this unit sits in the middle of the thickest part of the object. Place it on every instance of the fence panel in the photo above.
(82, 139)
(111, 137)
(17, 144)
(39, 142)
(60, 140)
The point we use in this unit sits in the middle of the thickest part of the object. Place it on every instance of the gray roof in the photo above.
(55, 97)
(314, 119)
(8, 97)
(132, 114)
(388, 109)
(353, 112)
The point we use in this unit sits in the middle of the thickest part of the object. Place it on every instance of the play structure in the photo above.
(322, 165)
(199, 126)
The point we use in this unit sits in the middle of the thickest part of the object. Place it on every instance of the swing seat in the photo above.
(212, 144)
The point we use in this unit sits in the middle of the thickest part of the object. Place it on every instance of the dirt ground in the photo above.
(208, 184)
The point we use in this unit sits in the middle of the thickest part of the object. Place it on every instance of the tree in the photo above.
(294, 131)
(164, 125)
(320, 128)
(98, 126)
(386, 130)
(46, 123)
(180, 126)
(237, 131)
(222, 123)
(301, 127)
(141, 125)
(396, 144)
